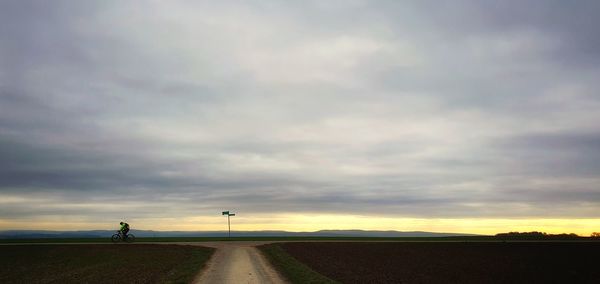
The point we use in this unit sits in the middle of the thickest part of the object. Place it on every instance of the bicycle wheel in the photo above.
(130, 238)
(115, 238)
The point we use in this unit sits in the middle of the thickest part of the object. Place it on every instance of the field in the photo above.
(438, 262)
(87, 263)
(287, 239)
(213, 239)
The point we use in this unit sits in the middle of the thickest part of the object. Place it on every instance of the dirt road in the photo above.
(238, 262)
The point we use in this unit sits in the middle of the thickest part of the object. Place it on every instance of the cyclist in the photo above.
(124, 229)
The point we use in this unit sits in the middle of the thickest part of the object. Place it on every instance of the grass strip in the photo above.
(293, 270)
(189, 268)
(214, 239)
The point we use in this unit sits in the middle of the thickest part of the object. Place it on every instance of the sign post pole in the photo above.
(228, 223)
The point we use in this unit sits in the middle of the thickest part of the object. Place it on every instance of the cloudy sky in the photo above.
(462, 116)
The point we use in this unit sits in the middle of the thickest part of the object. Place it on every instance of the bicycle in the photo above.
(129, 238)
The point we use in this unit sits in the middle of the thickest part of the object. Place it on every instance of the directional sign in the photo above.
(228, 222)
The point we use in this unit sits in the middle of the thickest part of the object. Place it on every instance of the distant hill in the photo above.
(31, 234)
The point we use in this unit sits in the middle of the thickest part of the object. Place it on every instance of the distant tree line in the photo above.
(536, 236)
(595, 235)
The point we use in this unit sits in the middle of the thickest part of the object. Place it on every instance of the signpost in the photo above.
(228, 222)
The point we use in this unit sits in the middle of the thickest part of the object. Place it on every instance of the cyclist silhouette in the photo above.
(124, 229)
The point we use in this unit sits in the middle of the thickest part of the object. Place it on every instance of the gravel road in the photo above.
(238, 262)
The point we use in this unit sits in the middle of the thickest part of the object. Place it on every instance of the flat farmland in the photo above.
(450, 262)
(87, 263)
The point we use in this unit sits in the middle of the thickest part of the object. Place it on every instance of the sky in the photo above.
(453, 116)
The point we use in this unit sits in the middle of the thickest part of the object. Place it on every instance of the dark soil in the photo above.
(123, 263)
(452, 262)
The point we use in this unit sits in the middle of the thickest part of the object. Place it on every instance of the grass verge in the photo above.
(189, 268)
(214, 239)
(293, 270)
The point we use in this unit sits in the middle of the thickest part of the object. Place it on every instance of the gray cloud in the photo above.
(414, 109)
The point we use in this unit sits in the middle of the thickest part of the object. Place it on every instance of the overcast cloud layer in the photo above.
(455, 109)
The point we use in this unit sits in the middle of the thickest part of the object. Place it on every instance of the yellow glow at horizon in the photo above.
(314, 222)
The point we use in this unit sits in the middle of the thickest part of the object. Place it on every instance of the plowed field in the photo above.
(126, 263)
(512, 262)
